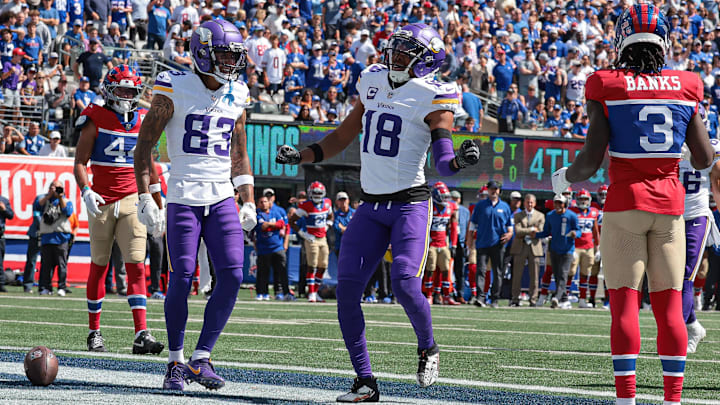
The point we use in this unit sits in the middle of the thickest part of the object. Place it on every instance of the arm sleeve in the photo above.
(454, 233)
(443, 155)
(68, 208)
(547, 229)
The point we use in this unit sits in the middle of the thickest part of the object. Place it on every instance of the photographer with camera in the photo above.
(6, 212)
(55, 233)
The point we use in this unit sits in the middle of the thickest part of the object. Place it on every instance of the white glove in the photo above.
(92, 200)
(248, 216)
(158, 230)
(597, 256)
(148, 213)
(559, 181)
(306, 236)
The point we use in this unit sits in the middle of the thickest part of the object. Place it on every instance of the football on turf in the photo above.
(41, 366)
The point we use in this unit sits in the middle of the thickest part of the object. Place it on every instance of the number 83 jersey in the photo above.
(395, 137)
(697, 186)
(648, 115)
(198, 136)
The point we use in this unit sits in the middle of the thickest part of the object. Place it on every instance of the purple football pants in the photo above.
(374, 225)
(696, 233)
(219, 225)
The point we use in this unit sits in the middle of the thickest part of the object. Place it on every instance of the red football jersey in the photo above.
(648, 116)
(586, 223)
(111, 161)
(316, 215)
(441, 223)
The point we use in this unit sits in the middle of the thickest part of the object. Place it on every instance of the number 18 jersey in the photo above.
(648, 116)
(198, 136)
(395, 137)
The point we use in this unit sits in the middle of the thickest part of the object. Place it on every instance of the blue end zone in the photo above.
(390, 388)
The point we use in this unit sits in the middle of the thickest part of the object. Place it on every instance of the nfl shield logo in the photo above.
(128, 126)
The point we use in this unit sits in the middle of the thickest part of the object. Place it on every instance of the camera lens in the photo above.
(59, 190)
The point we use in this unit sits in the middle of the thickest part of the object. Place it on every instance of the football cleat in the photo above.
(436, 300)
(554, 303)
(428, 366)
(362, 390)
(449, 301)
(259, 297)
(565, 305)
(312, 297)
(473, 299)
(145, 343)
(202, 372)
(573, 298)
(174, 377)
(95, 342)
(541, 300)
(696, 333)
(480, 302)
(584, 304)
(279, 297)
(157, 295)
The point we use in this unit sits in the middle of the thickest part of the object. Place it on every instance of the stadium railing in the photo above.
(23, 115)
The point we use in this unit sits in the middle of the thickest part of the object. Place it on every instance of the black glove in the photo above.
(287, 155)
(467, 155)
(453, 250)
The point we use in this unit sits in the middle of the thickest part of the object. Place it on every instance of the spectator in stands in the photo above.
(555, 121)
(297, 59)
(565, 130)
(293, 83)
(73, 39)
(52, 71)
(112, 38)
(363, 47)
(50, 16)
(186, 12)
(316, 111)
(158, 21)
(99, 12)
(7, 45)
(481, 76)
(316, 68)
(472, 105)
(32, 142)
(294, 105)
(511, 111)
(256, 46)
(139, 21)
(528, 70)
(274, 61)
(28, 88)
(92, 63)
(121, 56)
(180, 56)
(332, 117)
(11, 76)
(576, 83)
(11, 140)
(54, 148)
(468, 125)
(579, 130)
(119, 12)
(43, 32)
(75, 11)
(55, 234)
(83, 96)
(331, 100)
(503, 73)
(59, 101)
(94, 34)
(304, 115)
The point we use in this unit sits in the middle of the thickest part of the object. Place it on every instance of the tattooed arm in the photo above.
(161, 110)
(240, 159)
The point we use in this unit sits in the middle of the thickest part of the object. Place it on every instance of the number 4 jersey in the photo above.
(395, 136)
(648, 116)
(198, 136)
(113, 176)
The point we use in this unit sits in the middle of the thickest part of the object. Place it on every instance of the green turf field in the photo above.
(557, 352)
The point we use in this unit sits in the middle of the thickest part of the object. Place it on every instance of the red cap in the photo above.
(427, 4)
(18, 51)
(500, 51)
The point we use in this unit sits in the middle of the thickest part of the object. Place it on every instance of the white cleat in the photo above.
(583, 303)
(541, 300)
(312, 297)
(363, 390)
(428, 366)
(565, 305)
(696, 333)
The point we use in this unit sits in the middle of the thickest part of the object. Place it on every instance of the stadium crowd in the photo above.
(530, 57)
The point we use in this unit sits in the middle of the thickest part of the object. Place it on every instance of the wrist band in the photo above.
(317, 151)
(84, 189)
(243, 179)
(154, 188)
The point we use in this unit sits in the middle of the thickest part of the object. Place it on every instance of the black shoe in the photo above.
(363, 390)
(110, 291)
(122, 293)
(146, 343)
(2, 287)
(514, 304)
(480, 302)
(95, 342)
(591, 301)
(437, 300)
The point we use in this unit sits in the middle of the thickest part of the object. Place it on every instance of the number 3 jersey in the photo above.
(697, 186)
(395, 136)
(113, 175)
(198, 136)
(648, 117)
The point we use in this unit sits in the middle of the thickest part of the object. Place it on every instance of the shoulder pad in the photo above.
(81, 121)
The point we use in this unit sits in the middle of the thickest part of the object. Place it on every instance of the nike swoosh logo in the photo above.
(196, 372)
(697, 224)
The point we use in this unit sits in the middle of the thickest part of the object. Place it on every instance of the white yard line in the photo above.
(552, 370)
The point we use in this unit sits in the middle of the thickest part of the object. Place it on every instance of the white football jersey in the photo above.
(198, 136)
(395, 137)
(697, 186)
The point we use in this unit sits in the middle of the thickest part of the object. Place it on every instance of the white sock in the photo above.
(200, 354)
(93, 330)
(625, 401)
(176, 355)
(138, 333)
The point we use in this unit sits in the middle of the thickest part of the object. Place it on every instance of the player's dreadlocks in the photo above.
(642, 58)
